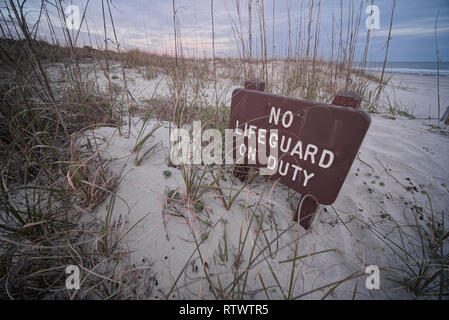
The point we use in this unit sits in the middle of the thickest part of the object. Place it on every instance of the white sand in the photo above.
(417, 95)
(395, 154)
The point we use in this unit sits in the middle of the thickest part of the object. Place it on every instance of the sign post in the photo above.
(316, 143)
(445, 117)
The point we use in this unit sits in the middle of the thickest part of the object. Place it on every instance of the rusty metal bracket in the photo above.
(255, 84)
(348, 99)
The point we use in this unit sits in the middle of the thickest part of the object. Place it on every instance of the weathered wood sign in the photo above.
(316, 143)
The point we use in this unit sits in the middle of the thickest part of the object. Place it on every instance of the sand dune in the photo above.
(400, 160)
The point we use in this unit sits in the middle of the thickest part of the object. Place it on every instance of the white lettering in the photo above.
(289, 123)
(307, 177)
(296, 171)
(274, 116)
(329, 162)
(310, 152)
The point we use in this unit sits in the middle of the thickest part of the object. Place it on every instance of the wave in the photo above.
(402, 67)
(420, 72)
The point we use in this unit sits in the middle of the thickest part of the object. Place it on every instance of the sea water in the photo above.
(416, 68)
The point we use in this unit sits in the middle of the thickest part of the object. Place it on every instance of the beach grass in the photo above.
(53, 178)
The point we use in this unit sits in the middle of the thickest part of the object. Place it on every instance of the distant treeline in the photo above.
(14, 51)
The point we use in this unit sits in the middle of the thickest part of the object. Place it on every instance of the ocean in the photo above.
(418, 68)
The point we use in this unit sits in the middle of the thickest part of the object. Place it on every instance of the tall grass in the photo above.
(52, 181)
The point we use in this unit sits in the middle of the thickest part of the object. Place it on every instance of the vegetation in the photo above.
(51, 183)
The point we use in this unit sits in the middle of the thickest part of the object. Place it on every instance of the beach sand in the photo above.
(400, 161)
(417, 94)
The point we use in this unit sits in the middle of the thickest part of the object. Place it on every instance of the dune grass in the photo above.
(52, 179)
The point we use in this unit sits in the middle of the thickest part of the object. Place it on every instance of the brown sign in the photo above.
(316, 143)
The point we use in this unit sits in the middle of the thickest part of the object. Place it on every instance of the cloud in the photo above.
(148, 24)
(411, 31)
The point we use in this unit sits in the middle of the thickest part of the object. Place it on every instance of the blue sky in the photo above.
(148, 24)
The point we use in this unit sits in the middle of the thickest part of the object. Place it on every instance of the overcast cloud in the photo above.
(148, 25)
